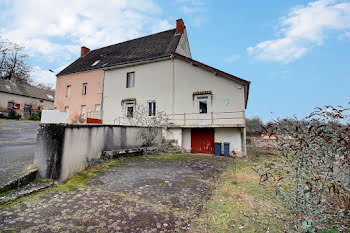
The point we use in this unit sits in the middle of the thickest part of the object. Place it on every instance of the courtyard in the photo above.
(136, 194)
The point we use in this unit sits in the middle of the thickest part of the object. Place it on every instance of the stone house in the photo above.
(24, 99)
(157, 71)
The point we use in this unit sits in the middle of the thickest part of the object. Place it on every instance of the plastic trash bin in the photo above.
(217, 148)
(226, 149)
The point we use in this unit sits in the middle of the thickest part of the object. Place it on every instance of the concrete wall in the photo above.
(94, 80)
(63, 150)
(53, 116)
(231, 135)
(183, 47)
(186, 139)
(228, 95)
(22, 100)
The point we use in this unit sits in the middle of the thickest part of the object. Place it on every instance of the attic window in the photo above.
(8, 87)
(104, 64)
(95, 63)
(49, 96)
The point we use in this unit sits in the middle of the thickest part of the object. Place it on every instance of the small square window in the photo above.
(152, 108)
(130, 79)
(84, 88)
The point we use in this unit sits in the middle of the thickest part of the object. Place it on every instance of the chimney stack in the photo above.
(180, 26)
(84, 50)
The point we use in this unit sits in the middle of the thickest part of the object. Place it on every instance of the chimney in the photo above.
(180, 26)
(84, 50)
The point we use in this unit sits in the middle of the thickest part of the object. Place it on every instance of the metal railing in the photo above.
(94, 114)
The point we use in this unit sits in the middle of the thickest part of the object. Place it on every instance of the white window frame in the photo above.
(153, 111)
(83, 113)
(199, 98)
(130, 83)
(129, 104)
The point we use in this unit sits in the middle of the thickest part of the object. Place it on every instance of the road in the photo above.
(17, 145)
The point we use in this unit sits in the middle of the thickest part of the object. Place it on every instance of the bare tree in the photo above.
(13, 61)
(152, 125)
(44, 87)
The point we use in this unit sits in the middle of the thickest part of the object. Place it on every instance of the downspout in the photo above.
(103, 88)
(173, 85)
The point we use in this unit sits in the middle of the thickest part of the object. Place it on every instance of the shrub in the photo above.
(314, 181)
(36, 116)
(12, 114)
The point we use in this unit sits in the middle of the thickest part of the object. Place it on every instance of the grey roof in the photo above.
(157, 45)
(11, 87)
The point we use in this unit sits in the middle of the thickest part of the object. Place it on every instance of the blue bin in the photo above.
(217, 148)
(226, 149)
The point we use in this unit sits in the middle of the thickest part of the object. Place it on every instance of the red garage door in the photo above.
(202, 141)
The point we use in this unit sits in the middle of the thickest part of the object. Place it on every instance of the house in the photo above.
(157, 71)
(23, 99)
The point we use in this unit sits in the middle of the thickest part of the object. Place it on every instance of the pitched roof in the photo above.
(11, 87)
(157, 45)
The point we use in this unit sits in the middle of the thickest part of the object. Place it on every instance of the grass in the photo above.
(240, 204)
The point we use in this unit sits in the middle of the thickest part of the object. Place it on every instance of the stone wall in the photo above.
(64, 149)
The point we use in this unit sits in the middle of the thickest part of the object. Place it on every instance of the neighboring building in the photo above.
(24, 99)
(157, 71)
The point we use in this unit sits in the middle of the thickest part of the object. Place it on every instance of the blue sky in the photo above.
(296, 53)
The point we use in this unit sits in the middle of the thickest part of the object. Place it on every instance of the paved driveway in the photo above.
(17, 144)
(134, 195)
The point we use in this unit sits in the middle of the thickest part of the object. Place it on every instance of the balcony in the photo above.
(212, 119)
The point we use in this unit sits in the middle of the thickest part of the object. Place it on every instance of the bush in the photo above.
(12, 114)
(35, 116)
(314, 181)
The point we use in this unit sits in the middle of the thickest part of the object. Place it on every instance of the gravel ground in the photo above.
(17, 145)
(135, 195)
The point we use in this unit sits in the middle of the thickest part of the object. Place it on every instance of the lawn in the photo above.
(240, 204)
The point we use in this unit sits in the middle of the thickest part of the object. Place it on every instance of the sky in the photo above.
(296, 53)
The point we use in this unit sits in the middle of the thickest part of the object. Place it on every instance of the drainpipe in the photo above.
(173, 85)
(103, 88)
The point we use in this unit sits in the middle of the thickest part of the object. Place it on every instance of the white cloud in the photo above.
(232, 58)
(304, 28)
(43, 76)
(54, 31)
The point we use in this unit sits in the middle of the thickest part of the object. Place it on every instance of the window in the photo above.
(84, 88)
(203, 104)
(130, 79)
(83, 111)
(27, 108)
(68, 90)
(10, 105)
(129, 108)
(66, 109)
(151, 108)
(97, 107)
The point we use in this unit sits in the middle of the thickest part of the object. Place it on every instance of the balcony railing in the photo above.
(212, 119)
(95, 115)
(236, 118)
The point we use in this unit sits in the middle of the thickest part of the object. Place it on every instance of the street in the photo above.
(17, 145)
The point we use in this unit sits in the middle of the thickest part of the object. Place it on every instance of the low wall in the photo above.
(64, 149)
(53, 116)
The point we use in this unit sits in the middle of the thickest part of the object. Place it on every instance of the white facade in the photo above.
(192, 94)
